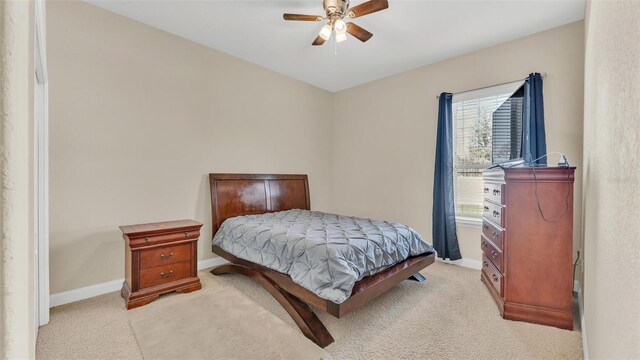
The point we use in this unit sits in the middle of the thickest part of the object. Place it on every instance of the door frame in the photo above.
(41, 169)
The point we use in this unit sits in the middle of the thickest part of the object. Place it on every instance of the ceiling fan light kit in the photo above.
(325, 32)
(336, 11)
(341, 30)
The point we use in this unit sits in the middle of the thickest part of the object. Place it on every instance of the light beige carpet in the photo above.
(450, 316)
(219, 324)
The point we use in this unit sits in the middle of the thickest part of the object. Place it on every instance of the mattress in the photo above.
(324, 253)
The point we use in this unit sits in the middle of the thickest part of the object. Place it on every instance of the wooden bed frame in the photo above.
(245, 194)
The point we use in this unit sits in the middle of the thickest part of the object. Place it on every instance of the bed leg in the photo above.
(417, 277)
(299, 311)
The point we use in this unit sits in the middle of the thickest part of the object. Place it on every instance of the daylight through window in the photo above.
(482, 136)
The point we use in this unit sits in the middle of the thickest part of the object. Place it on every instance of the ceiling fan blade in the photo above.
(367, 8)
(300, 17)
(318, 41)
(358, 32)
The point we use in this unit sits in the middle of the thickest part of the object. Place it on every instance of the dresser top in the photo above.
(160, 227)
(529, 174)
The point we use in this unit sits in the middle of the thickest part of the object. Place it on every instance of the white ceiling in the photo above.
(407, 35)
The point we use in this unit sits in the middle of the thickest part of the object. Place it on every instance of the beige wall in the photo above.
(17, 298)
(139, 117)
(392, 123)
(612, 180)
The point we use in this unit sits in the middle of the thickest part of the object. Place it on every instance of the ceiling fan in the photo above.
(336, 11)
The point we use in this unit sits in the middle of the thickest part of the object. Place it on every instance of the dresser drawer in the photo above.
(494, 192)
(490, 271)
(164, 256)
(493, 212)
(164, 274)
(491, 252)
(493, 233)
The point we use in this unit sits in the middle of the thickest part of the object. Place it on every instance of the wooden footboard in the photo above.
(377, 284)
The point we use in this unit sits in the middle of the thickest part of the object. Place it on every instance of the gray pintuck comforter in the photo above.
(324, 253)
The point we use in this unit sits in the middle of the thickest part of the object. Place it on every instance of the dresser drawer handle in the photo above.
(484, 244)
(166, 275)
(495, 277)
(146, 238)
(486, 208)
(494, 234)
(485, 264)
(486, 190)
(165, 257)
(496, 213)
(485, 226)
(493, 254)
(186, 234)
(496, 192)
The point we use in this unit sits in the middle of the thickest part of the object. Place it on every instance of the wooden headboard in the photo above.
(250, 194)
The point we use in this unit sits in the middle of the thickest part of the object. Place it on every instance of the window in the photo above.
(487, 128)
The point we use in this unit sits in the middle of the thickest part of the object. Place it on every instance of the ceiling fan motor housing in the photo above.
(335, 7)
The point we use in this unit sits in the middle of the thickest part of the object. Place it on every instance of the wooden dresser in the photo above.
(159, 258)
(527, 260)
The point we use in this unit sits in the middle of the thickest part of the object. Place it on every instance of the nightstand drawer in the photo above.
(157, 239)
(164, 256)
(164, 274)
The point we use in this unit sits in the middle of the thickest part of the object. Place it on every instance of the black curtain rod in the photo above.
(543, 75)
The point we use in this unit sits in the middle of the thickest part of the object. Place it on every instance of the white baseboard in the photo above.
(86, 292)
(464, 262)
(583, 327)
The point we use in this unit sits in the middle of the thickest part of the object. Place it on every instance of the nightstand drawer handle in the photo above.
(485, 264)
(495, 234)
(166, 275)
(186, 234)
(496, 192)
(493, 254)
(495, 277)
(165, 257)
(484, 244)
(485, 226)
(496, 214)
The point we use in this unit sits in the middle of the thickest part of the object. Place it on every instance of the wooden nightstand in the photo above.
(160, 258)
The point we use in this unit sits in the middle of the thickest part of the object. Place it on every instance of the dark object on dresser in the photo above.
(159, 258)
(246, 194)
(527, 241)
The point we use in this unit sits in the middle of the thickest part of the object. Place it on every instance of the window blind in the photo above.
(507, 130)
(473, 124)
